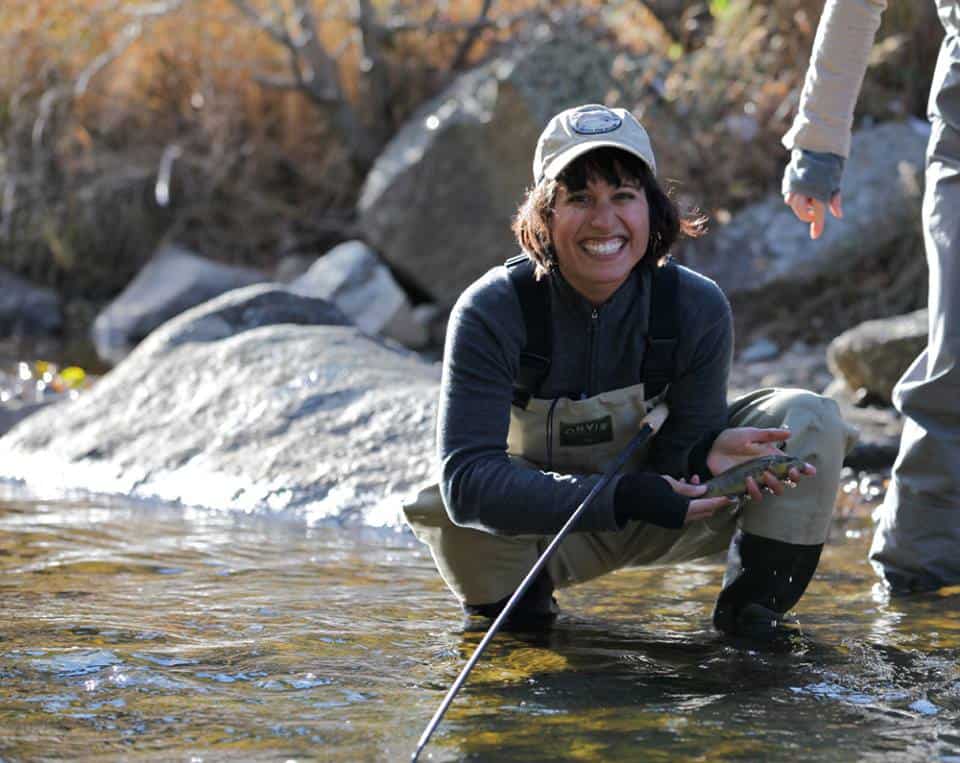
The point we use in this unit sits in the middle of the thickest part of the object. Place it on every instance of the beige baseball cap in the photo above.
(576, 131)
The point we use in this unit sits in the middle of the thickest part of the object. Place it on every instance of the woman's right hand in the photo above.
(700, 508)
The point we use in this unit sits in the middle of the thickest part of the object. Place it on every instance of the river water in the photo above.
(144, 632)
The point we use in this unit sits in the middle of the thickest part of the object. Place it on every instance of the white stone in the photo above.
(352, 277)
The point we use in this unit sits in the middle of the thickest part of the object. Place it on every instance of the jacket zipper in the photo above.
(591, 349)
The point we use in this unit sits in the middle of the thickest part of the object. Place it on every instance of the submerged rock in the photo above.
(234, 405)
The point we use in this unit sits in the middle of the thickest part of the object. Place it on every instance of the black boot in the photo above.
(536, 611)
(765, 578)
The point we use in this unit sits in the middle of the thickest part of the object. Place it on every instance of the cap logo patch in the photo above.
(595, 121)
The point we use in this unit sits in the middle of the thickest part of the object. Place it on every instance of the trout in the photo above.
(733, 482)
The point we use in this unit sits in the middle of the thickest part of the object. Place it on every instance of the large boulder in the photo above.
(26, 309)
(765, 248)
(173, 281)
(352, 277)
(874, 355)
(439, 200)
(234, 405)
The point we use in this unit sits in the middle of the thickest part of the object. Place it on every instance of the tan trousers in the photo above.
(480, 567)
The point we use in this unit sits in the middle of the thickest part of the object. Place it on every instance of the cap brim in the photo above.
(556, 165)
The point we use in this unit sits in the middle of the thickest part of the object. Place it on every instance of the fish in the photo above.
(733, 482)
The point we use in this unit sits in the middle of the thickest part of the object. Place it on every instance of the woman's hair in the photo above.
(531, 225)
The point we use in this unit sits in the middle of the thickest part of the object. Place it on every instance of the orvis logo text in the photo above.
(587, 432)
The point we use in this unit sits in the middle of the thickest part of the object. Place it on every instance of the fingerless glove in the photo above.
(649, 498)
(698, 454)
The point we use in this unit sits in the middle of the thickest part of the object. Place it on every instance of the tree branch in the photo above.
(153, 9)
(473, 34)
(130, 34)
(314, 72)
(374, 70)
(278, 33)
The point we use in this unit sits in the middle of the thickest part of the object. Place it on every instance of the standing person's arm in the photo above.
(819, 139)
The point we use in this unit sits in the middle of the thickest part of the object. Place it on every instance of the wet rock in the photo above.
(879, 440)
(439, 200)
(352, 277)
(233, 404)
(765, 248)
(874, 355)
(26, 309)
(173, 281)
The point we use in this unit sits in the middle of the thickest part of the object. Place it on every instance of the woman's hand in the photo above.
(700, 508)
(735, 446)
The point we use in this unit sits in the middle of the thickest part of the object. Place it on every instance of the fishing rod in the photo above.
(651, 425)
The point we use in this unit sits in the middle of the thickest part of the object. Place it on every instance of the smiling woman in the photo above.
(600, 234)
(551, 364)
(598, 219)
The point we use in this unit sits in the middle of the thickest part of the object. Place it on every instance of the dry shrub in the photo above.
(98, 91)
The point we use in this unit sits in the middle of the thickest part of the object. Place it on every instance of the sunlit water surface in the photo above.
(147, 633)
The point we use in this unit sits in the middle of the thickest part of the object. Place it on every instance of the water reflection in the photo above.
(149, 632)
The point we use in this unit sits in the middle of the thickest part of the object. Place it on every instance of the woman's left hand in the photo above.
(734, 446)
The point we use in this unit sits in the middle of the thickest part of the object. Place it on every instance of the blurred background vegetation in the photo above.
(244, 128)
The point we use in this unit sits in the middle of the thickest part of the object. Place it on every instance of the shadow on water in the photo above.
(151, 633)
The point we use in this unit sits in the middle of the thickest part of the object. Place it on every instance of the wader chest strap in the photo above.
(664, 326)
(534, 298)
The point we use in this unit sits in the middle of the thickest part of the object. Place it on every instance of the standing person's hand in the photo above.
(737, 445)
(813, 211)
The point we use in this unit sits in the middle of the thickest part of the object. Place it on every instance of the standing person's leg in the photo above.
(917, 542)
(774, 555)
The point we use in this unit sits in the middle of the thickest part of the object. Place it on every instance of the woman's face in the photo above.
(600, 234)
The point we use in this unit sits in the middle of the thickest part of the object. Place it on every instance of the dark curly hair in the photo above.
(531, 225)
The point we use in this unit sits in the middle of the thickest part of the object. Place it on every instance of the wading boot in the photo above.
(764, 579)
(536, 611)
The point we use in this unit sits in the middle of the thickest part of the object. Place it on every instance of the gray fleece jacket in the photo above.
(594, 351)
